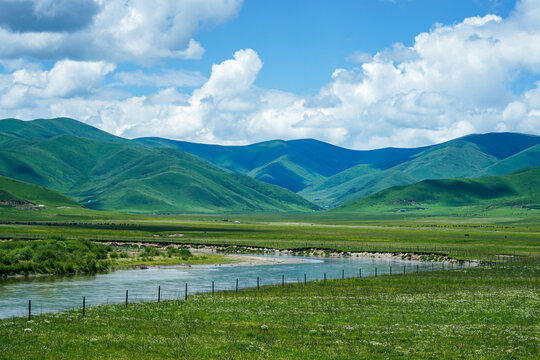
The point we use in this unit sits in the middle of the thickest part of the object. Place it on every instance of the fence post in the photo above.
(403, 269)
(29, 310)
(375, 271)
(343, 273)
(417, 268)
(282, 281)
(186, 293)
(305, 279)
(212, 288)
(360, 272)
(83, 306)
(159, 293)
(257, 283)
(237, 285)
(325, 277)
(127, 298)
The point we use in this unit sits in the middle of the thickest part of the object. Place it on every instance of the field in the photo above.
(460, 236)
(492, 311)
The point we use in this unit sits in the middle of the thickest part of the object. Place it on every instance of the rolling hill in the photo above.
(293, 164)
(19, 193)
(105, 172)
(470, 156)
(329, 175)
(520, 188)
(63, 154)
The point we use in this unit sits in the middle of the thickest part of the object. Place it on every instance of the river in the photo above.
(58, 293)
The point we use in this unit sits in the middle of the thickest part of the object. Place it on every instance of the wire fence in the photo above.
(182, 291)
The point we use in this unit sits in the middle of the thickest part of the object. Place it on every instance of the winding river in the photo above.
(58, 293)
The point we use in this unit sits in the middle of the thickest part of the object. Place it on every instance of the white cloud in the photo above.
(66, 79)
(118, 30)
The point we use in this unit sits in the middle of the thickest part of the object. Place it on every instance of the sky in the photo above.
(361, 74)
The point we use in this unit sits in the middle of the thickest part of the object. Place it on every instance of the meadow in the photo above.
(488, 312)
(457, 236)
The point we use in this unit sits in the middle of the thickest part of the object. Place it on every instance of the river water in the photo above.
(58, 293)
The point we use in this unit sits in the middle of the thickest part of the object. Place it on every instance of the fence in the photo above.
(183, 292)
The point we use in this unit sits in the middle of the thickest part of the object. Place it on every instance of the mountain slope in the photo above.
(520, 188)
(48, 128)
(294, 164)
(470, 156)
(62, 153)
(115, 175)
(14, 192)
(526, 158)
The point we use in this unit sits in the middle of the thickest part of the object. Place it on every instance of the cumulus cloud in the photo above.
(66, 79)
(113, 30)
(453, 80)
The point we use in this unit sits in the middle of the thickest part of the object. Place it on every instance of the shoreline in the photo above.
(253, 256)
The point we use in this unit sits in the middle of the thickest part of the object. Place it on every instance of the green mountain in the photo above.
(520, 188)
(48, 128)
(19, 193)
(294, 164)
(470, 156)
(105, 172)
(329, 175)
(154, 174)
(526, 158)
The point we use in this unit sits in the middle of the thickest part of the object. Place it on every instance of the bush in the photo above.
(53, 255)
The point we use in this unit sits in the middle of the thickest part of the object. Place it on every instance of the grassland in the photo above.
(489, 312)
(479, 237)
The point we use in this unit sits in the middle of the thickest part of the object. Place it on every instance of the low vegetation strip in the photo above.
(488, 312)
(58, 255)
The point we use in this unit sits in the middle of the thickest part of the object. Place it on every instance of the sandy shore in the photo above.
(248, 260)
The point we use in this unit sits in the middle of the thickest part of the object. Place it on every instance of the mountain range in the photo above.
(330, 176)
(519, 189)
(106, 172)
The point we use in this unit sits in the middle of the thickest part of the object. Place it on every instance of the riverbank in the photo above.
(304, 252)
(495, 314)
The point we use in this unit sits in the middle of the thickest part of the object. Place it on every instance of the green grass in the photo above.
(490, 312)
(456, 236)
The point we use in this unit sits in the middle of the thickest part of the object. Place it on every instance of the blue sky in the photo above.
(301, 42)
(361, 74)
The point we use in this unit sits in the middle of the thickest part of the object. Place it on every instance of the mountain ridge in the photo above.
(325, 174)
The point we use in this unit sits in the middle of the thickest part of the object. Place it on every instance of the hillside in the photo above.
(329, 175)
(116, 174)
(17, 193)
(470, 156)
(61, 153)
(293, 164)
(48, 128)
(520, 188)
